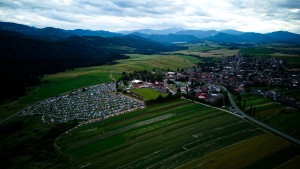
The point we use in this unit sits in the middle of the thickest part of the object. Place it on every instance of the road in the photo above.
(271, 129)
(111, 76)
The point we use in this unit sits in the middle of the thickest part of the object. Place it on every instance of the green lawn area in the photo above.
(169, 134)
(148, 93)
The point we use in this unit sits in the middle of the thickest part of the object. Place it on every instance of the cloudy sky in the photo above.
(115, 15)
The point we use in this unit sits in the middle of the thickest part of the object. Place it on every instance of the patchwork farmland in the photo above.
(273, 114)
(169, 135)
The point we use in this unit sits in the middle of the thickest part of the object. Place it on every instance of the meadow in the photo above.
(169, 135)
(148, 93)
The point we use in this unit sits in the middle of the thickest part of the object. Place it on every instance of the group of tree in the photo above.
(143, 75)
(161, 99)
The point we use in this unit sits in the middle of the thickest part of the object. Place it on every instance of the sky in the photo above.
(115, 15)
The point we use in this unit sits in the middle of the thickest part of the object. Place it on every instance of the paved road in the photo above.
(292, 139)
(111, 76)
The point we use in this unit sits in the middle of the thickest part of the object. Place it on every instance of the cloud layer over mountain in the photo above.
(115, 15)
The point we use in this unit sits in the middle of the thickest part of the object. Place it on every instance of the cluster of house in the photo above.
(88, 103)
(237, 73)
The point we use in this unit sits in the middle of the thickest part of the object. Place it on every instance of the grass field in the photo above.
(211, 50)
(165, 135)
(202, 47)
(224, 52)
(271, 113)
(256, 52)
(244, 154)
(148, 93)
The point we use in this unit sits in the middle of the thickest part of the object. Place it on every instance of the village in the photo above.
(203, 83)
(257, 76)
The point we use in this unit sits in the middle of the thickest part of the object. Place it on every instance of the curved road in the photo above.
(275, 131)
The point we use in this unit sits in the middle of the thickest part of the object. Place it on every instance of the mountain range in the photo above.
(164, 36)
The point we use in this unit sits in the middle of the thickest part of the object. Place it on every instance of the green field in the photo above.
(56, 86)
(257, 52)
(272, 113)
(166, 135)
(202, 47)
(247, 154)
(148, 93)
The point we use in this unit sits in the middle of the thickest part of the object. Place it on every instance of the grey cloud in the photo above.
(136, 14)
(291, 4)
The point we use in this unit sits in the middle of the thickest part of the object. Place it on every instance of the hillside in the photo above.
(25, 58)
(167, 39)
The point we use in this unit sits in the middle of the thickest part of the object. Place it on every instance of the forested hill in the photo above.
(24, 58)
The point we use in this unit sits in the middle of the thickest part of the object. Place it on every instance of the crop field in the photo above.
(257, 52)
(265, 108)
(165, 135)
(255, 152)
(148, 93)
(201, 47)
(222, 52)
(272, 113)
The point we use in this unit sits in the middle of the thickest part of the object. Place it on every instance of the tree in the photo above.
(159, 99)
(125, 82)
(178, 90)
(239, 98)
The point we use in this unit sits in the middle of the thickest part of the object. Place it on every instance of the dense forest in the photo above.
(25, 58)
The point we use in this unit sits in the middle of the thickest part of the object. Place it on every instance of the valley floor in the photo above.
(176, 134)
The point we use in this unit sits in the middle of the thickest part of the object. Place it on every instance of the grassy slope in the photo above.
(178, 133)
(148, 93)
